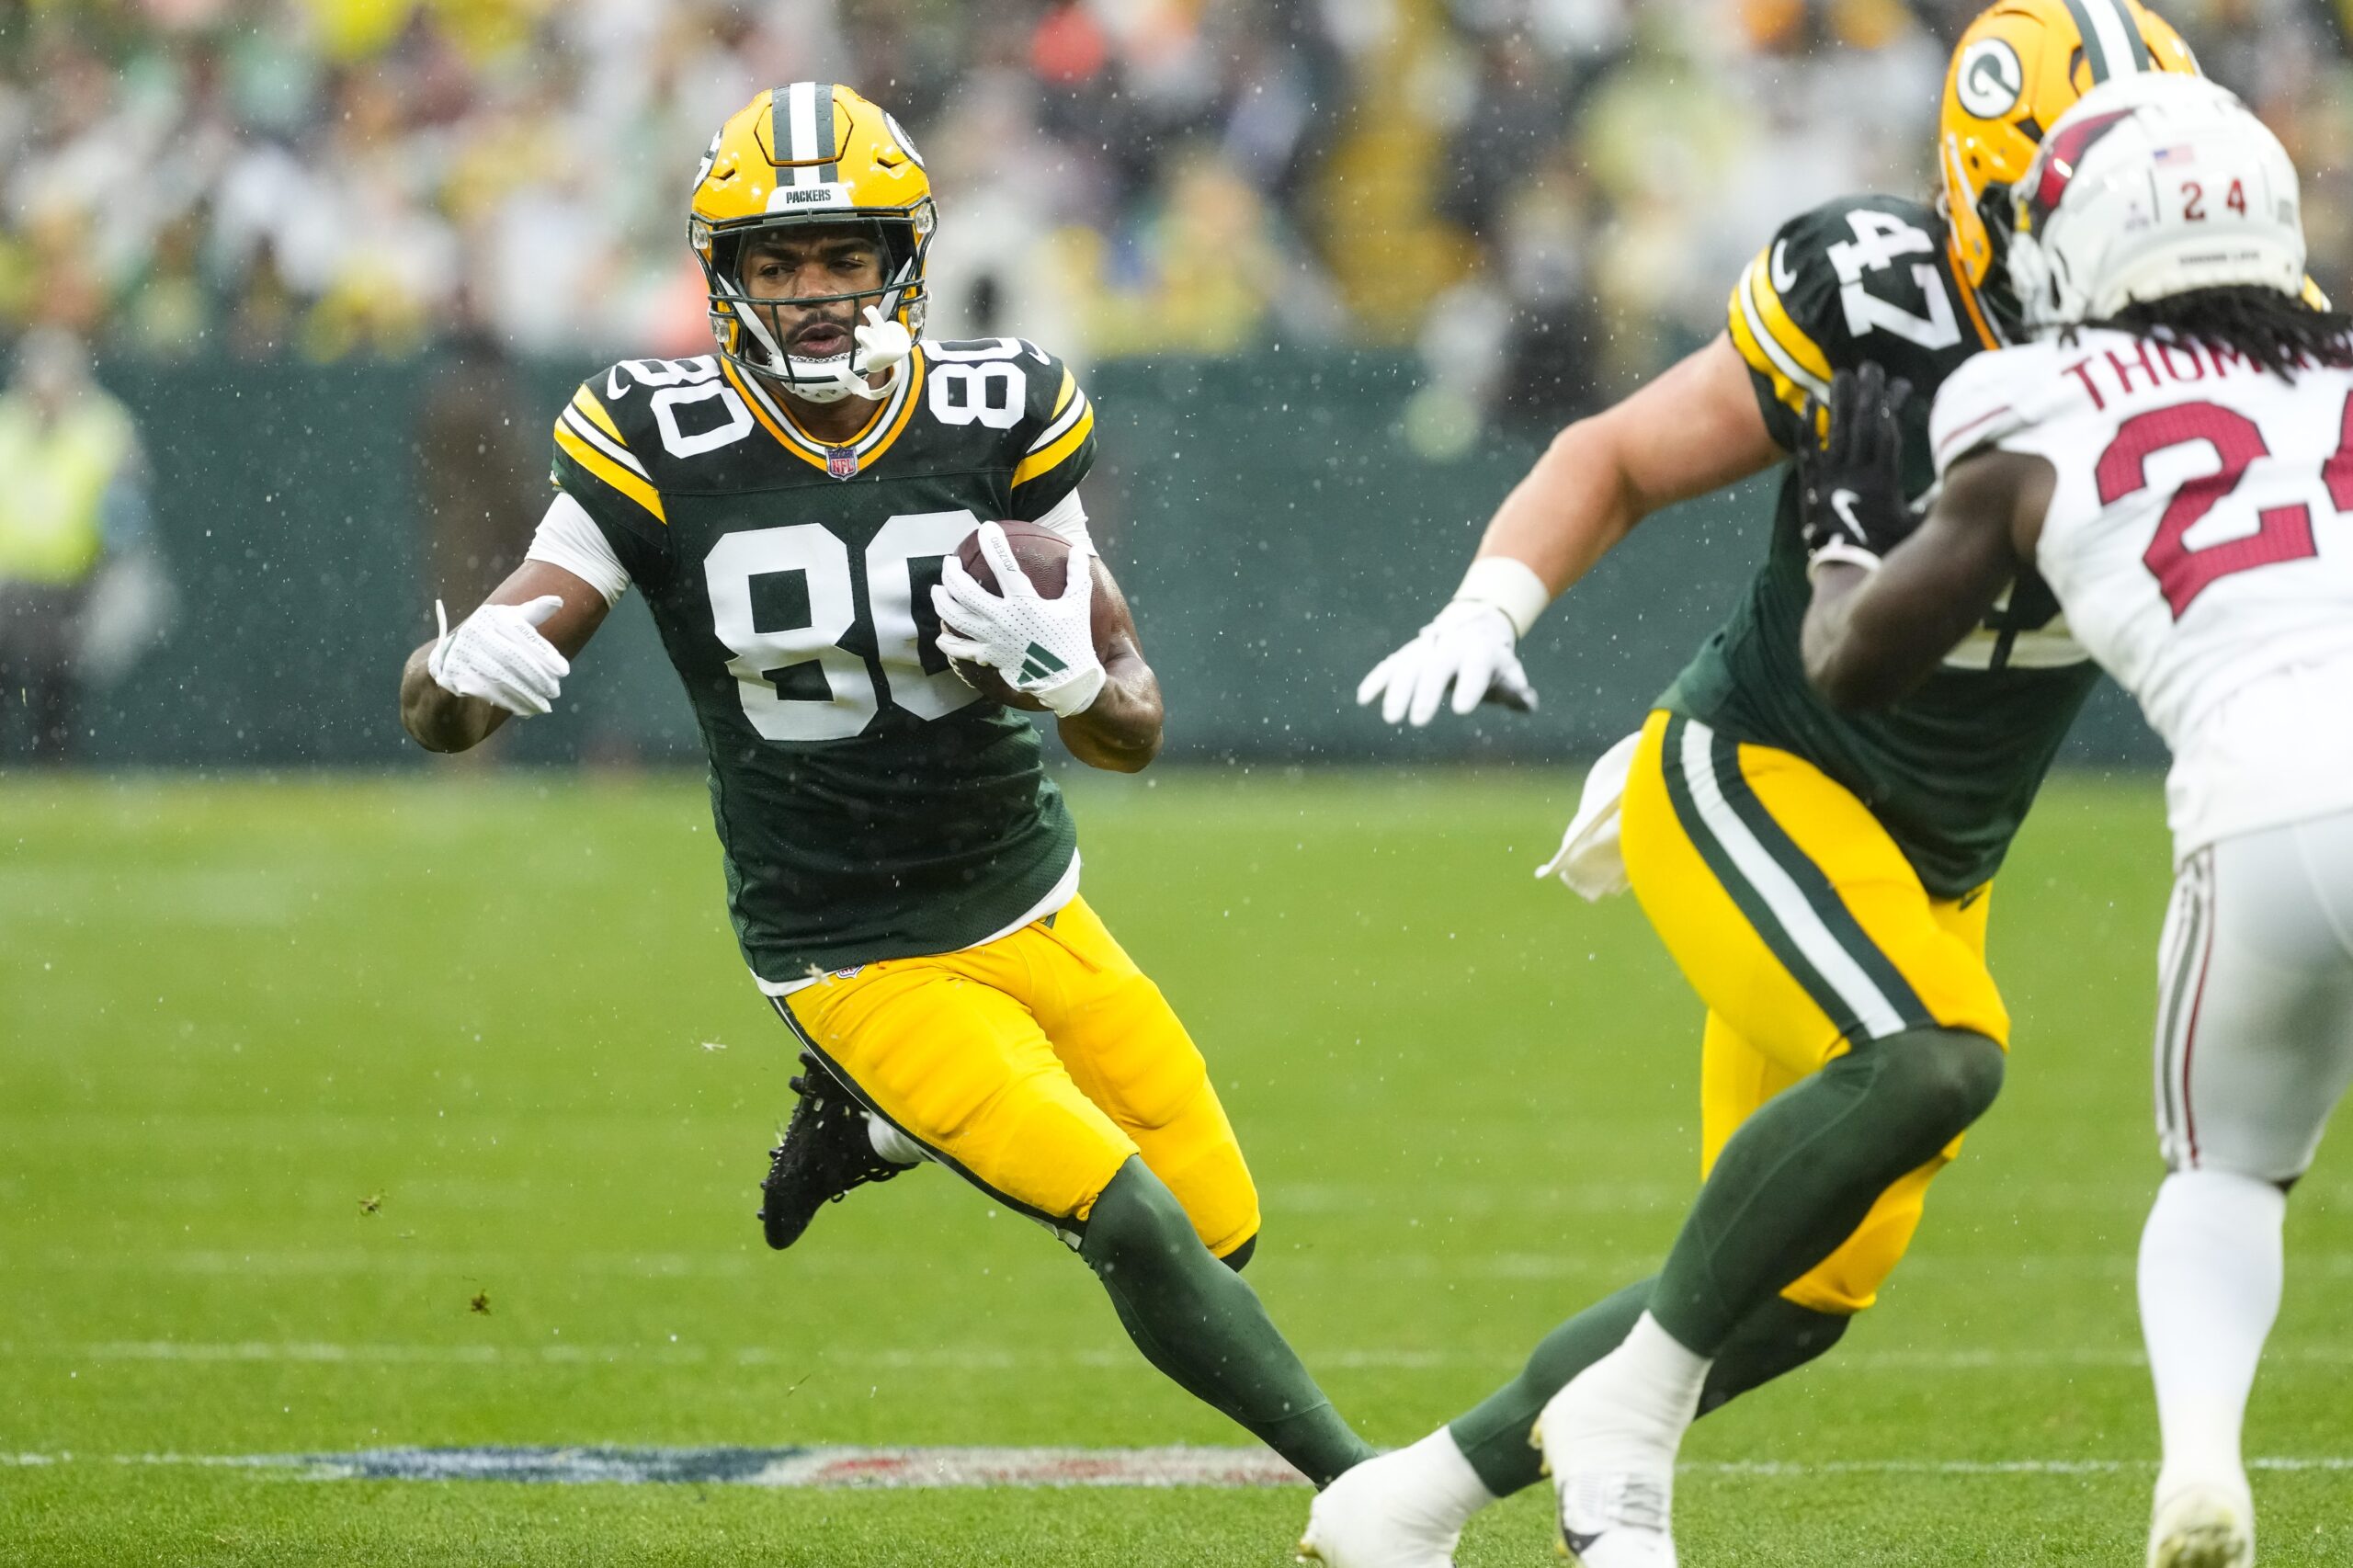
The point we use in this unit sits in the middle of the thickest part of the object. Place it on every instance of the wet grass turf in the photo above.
(293, 1074)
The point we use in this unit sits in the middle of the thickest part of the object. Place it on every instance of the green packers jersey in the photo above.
(1950, 769)
(870, 804)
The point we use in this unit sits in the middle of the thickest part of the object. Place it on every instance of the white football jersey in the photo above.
(2199, 544)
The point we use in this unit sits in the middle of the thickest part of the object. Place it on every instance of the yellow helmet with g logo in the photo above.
(809, 154)
(2022, 64)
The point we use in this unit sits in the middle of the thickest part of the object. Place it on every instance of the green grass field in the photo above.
(494, 1009)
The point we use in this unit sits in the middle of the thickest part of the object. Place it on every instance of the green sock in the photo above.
(1203, 1326)
(1800, 1174)
(1778, 1337)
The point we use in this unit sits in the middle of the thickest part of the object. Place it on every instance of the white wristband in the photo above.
(1075, 695)
(1512, 586)
(1844, 554)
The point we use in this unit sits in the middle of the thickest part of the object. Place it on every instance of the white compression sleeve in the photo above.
(569, 538)
(2210, 1266)
(1068, 519)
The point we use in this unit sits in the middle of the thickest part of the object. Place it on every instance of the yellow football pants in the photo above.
(1037, 1065)
(1804, 928)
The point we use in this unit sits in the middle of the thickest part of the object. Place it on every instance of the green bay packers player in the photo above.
(1821, 879)
(902, 875)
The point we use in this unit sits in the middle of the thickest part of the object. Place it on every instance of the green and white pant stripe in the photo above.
(1788, 898)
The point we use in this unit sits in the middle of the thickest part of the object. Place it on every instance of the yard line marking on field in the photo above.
(1011, 1358)
(1805, 1469)
(864, 1468)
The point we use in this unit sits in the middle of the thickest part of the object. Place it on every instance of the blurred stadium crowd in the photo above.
(1550, 196)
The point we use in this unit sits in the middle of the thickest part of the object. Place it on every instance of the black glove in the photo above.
(1852, 505)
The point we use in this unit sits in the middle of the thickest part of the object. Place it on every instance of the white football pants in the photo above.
(2255, 1000)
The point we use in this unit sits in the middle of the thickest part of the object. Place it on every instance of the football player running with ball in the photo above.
(1820, 878)
(902, 875)
(2174, 452)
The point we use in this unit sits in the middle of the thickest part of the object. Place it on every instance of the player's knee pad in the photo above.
(1935, 1081)
(1239, 1259)
(1135, 1223)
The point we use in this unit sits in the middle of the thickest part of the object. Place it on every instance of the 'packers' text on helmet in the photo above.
(2022, 64)
(812, 154)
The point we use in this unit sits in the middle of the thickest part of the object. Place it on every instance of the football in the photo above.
(1044, 558)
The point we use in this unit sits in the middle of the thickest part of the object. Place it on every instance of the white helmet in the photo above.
(2152, 185)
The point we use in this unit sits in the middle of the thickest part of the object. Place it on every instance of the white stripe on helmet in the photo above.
(801, 107)
(2119, 40)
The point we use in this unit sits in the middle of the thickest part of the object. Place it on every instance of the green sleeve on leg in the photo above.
(1196, 1320)
(1778, 1337)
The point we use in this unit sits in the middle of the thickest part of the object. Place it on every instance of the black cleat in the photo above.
(824, 1155)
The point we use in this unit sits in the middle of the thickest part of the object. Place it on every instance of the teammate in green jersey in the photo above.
(1820, 880)
(903, 877)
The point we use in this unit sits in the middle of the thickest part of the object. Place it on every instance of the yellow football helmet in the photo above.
(2022, 64)
(809, 154)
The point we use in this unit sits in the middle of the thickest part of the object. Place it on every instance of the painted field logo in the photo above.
(824, 1469)
(833, 1468)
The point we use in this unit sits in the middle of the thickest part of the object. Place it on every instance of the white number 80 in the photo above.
(822, 562)
(991, 392)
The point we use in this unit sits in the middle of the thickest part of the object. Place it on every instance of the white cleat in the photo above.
(1368, 1519)
(1614, 1480)
(2203, 1524)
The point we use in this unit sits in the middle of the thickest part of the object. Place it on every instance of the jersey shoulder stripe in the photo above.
(1072, 429)
(584, 402)
(1858, 279)
(1050, 448)
(1772, 343)
(1006, 410)
(587, 435)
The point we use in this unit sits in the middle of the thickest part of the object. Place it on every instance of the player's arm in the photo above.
(1119, 731)
(1093, 676)
(506, 658)
(1890, 601)
(603, 529)
(1696, 428)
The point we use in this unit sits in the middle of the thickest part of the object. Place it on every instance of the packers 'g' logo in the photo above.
(1989, 79)
(899, 134)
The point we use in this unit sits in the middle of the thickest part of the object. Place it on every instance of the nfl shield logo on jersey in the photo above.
(840, 461)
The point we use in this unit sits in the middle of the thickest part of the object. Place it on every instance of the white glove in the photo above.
(1043, 647)
(887, 346)
(497, 653)
(1469, 646)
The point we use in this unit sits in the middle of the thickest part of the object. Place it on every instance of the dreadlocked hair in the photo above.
(2282, 332)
